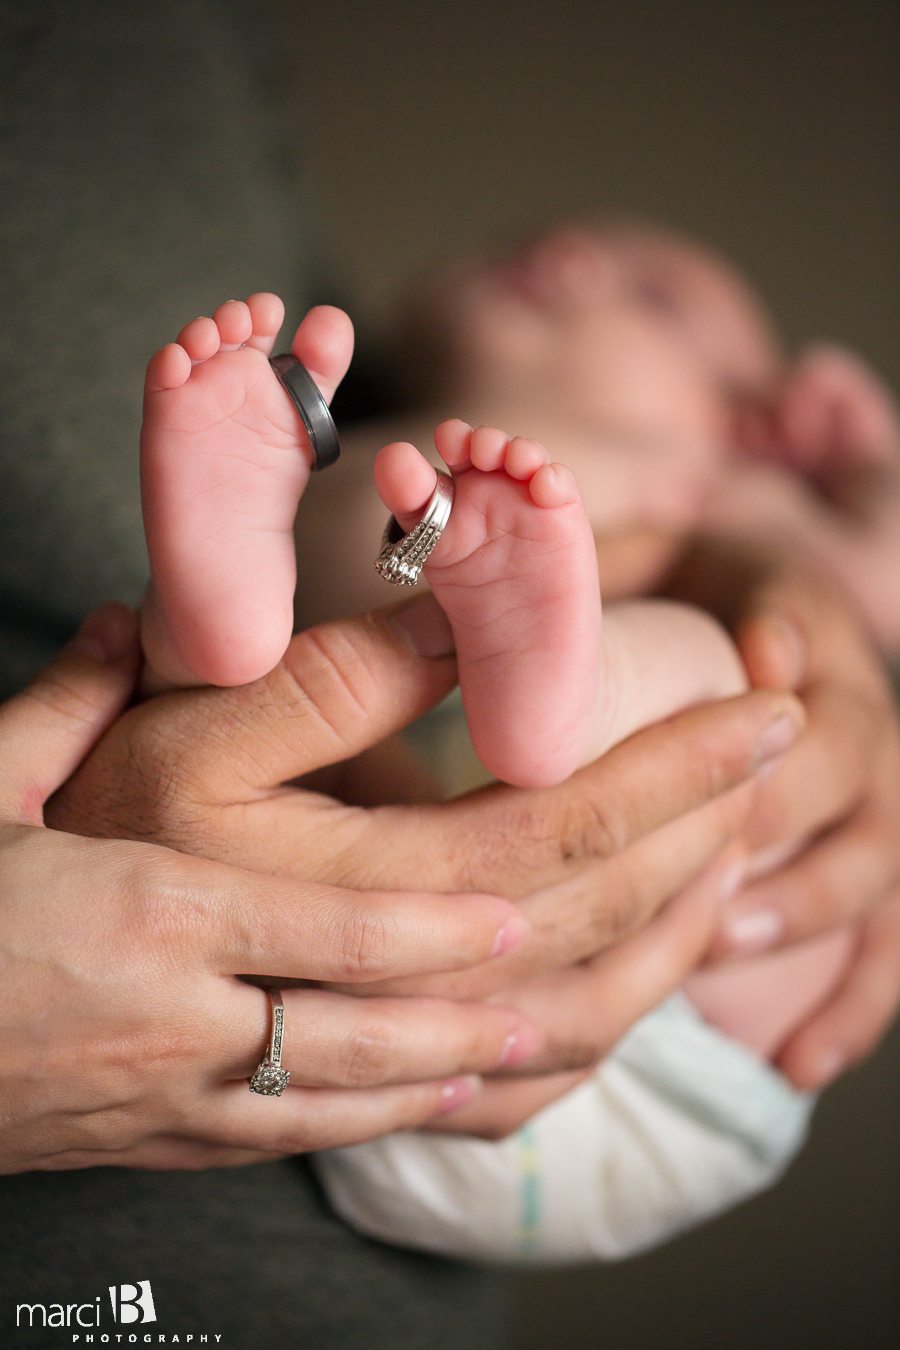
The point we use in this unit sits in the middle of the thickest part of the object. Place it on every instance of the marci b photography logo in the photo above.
(131, 1305)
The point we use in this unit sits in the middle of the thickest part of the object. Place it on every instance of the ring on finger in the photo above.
(270, 1078)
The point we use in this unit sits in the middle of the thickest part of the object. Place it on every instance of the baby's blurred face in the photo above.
(623, 349)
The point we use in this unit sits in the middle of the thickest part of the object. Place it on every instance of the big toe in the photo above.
(324, 343)
(405, 481)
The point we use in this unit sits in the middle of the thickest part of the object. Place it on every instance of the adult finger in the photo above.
(854, 1020)
(531, 839)
(232, 1127)
(514, 841)
(305, 1119)
(828, 771)
(584, 1011)
(501, 1108)
(599, 906)
(837, 879)
(47, 729)
(344, 686)
(253, 925)
(340, 688)
(331, 1040)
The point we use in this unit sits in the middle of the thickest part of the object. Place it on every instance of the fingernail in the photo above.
(754, 931)
(732, 879)
(777, 737)
(765, 860)
(457, 1092)
(827, 1067)
(519, 1046)
(511, 935)
(106, 635)
(423, 628)
(794, 646)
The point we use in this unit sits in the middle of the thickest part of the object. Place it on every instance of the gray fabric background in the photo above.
(142, 183)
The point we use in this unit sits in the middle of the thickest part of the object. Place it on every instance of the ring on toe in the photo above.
(402, 555)
(306, 397)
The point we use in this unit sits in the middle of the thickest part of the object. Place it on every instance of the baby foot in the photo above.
(224, 461)
(516, 573)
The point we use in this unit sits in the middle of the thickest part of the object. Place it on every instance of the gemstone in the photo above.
(269, 1080)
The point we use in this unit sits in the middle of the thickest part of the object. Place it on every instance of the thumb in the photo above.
(340, 688)
(49, 728)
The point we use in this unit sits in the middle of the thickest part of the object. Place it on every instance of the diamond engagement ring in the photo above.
(402, 555)
(270, 1078)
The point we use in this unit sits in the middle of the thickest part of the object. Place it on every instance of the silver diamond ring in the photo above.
(270, 1078)
(402, 555)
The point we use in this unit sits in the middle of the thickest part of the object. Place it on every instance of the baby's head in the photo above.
(624, 348)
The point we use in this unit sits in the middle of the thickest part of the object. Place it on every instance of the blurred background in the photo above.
(770, 131)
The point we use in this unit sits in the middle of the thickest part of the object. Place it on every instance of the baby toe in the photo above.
(234, 323)
(404, 480)
(200, 339)
(324, 343)
(452, 440)
(554, 485)
(524, 458)
(168, 368)
(267, 316)
(487, 448)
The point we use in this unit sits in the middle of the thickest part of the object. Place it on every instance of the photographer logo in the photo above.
(135, 1302)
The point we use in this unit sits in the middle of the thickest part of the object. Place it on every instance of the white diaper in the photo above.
(678, 1124)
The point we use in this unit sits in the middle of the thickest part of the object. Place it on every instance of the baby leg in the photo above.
(761, 1001)
(224, 461)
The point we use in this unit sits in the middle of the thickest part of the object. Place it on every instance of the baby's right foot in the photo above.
(516, 573)
(224, 461)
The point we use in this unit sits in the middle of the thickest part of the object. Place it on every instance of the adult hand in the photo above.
(204, 770)
(831, 809)
(586, 1010)
(125, 1036)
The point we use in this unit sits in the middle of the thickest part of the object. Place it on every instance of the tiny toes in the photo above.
(168, 368)
(267, 316)
(200, 339)
(487, 448)
(324, 343)
(554, 485)
(524, 458)
(404, 480)
(234, 324)
(452, 440)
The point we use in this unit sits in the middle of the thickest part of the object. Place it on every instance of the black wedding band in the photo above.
(303, 392)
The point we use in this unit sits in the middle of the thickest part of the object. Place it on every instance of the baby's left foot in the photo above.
(516, 573)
